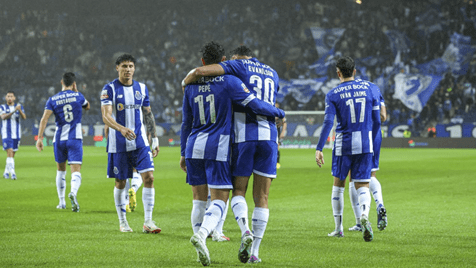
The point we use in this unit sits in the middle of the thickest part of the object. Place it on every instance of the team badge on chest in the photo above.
(138, 96)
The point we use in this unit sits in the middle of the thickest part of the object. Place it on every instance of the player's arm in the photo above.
(106, 111)
(326, 129)
(285, 127)
(242, 96)
(375, 119)
(207, 70)
(6, 116)
(187, 123)
(383, 113)
(149, 122)
(20, 110)
(86, 106)
(46, 115)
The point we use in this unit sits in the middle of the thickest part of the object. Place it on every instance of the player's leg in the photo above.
(361, 169)
(61, 184)
(135, 184)
(264, 171)
(74, 149)
(197, 179)
(354, 201)
(145, 167)
(118, 168)
(10, 165)
(11, 154)
(217, 234)
(376, 190)
(8, 147)
(340, 170)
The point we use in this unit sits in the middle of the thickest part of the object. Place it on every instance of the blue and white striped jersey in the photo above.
(11, 128)
(263, 81)
(352, 103)
(127, 103)
(207, 121)
(67, 107)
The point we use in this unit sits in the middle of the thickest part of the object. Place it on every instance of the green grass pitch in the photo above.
(429, 195)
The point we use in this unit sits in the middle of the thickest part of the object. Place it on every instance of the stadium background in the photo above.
(421, 53)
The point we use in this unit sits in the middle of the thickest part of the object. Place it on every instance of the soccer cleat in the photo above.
(14, 176)
(244, 251)
(382, 218)
(254, 259)
(356, 228)
(124, 227)
(366, 229)
(74, 202)
(128, 209)
(217, 237)
(6, 175)
(336, 234)
(150, 227)
(132, 200)
(201, 248)
(61, 206)
(278, 165)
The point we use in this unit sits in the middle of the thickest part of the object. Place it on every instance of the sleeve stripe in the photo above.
(248, 99)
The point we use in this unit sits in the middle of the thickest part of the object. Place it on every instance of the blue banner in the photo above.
(322, 65)
(414, 90)
(435, 67)
(302, 90)
(325, 39)
(458, 54)
(398, 42)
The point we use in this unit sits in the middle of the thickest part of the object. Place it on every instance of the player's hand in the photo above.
(39, 145)
(319, 158)
(128, 133)
(182, 164)
(18, 107)
(155, 147)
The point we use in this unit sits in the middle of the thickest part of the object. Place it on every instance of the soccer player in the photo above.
(375, 187)
(255, 145)
(282, 126)
(206, 131)
(125, 109)
(67, 106)
(358, 121)
(11, 131)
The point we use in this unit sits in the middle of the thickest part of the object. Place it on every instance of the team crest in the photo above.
(116, 171)
(120, 107)
(138, 96)
(245, 89)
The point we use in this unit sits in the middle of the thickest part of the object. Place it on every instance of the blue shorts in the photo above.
(360, 166)
(120, 165)
(11, 144)
(71, 150)
(214, 173)
(258, 157)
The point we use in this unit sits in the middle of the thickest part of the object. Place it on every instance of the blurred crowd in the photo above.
(38, 45)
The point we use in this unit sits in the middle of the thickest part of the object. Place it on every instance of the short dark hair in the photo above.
(212, 53)
(10, 91)
(125, 57)
(242, 51)
(346, 66)
(68, 79)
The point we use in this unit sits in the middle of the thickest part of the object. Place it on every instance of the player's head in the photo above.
(10, 97)
(125, 67)
(212, 53)
(69, 79)
(241, 52)
(345, 67)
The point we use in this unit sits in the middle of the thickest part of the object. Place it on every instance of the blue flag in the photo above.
(302, 90)
(436, 67)
(458, 54)
(414, 90)
(398, 42)
(325, 39)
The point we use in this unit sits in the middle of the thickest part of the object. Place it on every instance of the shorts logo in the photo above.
(116, 171)
(138, 96)
(120, 107)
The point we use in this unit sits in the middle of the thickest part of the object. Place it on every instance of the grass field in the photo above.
(429, 195)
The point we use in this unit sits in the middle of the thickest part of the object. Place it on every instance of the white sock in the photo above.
(198, 211)
(354, 201)
(7, 165)
(220, 224)
(364, 200)
(61, 185)
(259, 221)
(211, 218)
(10, 165)
(376, 190)
(240, 209)
(126, 188)
(136, 181)
(148, 200)
(75, 182)
(120, 201)
(338, 206)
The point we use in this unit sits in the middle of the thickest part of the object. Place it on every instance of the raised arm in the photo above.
(46, 115)
(20, 110)
(207, 70)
